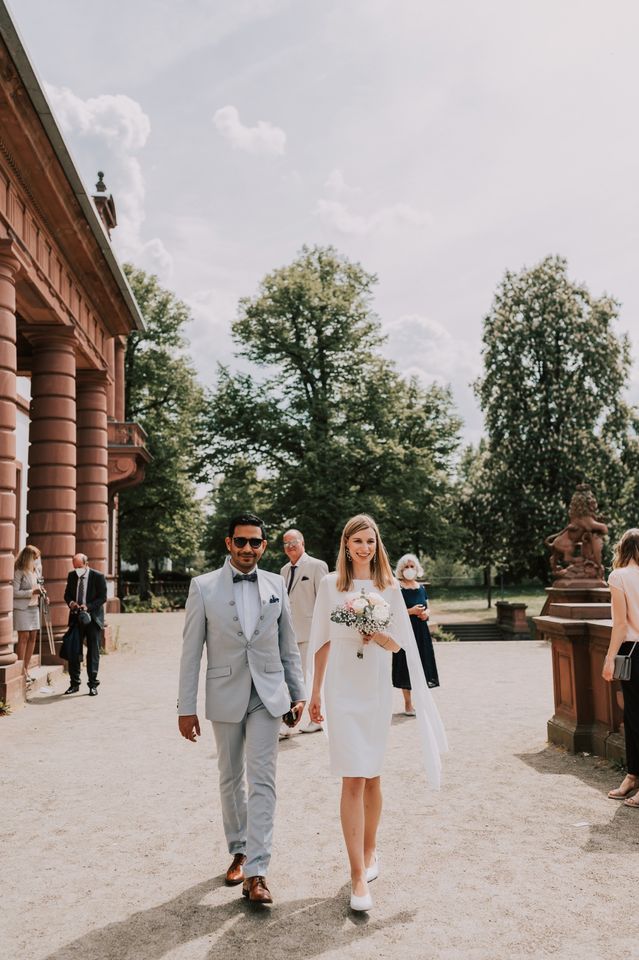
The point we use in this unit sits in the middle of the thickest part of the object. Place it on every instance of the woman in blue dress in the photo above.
(407, 570)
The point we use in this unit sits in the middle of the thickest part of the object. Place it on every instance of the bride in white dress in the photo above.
(358, 694)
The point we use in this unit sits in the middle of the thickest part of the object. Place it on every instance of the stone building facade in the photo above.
(65, 312)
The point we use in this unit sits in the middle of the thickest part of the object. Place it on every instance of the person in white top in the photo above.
(353, 679)
(624, 597)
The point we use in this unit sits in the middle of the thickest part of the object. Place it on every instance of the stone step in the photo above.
(580, 611)
(474, 631)
(44, 677)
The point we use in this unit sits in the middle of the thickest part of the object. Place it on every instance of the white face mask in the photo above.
(409, 573)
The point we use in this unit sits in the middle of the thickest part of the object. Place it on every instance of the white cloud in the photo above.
(264, 138)
(336, 214)
(108, 131)
(337, 186)
(424, 347)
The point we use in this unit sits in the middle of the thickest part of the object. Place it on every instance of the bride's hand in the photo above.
(315, 709)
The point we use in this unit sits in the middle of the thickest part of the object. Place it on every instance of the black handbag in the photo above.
(623, 665)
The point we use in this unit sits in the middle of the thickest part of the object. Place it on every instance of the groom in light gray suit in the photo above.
(253, 678)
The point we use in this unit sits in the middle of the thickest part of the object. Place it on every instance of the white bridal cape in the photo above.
(357, 697)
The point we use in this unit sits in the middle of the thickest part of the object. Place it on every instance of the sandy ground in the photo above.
(112, 844)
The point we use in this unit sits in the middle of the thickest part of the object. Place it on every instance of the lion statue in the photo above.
(576, 550)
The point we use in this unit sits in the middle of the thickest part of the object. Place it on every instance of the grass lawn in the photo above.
(450, 605)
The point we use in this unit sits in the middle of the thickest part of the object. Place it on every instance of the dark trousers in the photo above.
(631, 710)
(91, 635)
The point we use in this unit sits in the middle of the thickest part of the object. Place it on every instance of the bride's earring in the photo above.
(348, 554)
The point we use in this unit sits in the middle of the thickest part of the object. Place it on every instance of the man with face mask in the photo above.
(254, 678)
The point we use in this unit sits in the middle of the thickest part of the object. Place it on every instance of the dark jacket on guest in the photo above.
(95, 596)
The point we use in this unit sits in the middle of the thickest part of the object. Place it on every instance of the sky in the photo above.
(438, 143)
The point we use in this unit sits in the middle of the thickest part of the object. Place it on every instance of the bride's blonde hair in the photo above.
(381, 573)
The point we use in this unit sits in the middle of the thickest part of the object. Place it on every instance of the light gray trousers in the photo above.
(247, 753)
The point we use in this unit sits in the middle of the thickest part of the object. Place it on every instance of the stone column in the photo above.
(51, 499)
(9, 266)
(109, 356)
(119, 377)
(93, 468)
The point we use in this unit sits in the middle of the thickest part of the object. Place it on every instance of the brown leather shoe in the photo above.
(256, 890)
(235, 874)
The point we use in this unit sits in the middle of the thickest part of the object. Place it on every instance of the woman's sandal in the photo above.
(620, 794)
(634, 802)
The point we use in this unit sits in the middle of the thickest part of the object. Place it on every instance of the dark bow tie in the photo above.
(237, 577)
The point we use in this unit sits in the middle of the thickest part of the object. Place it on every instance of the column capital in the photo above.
(92, 377)
(10, 255)
(52, 336)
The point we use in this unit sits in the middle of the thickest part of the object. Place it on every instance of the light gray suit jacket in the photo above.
(269, 658)
(308, 576)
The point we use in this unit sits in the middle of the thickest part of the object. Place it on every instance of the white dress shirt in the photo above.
(247, 599)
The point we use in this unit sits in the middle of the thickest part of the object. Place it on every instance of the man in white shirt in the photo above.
(254, 677)
(302, 576)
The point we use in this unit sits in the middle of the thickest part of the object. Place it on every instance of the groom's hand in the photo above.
(298, 709)
(189, 727)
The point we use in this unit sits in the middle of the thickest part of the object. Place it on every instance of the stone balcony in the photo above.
(128, 454)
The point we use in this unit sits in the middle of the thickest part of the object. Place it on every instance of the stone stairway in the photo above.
(486, 630)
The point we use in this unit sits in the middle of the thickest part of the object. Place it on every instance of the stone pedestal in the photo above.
(576, 591)
(9, 266)
(51, 521)
(512, 620)
(588, 710)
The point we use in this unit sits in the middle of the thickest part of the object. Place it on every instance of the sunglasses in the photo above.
(242, 541)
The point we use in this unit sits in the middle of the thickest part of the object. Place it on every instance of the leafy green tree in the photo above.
(162, 518)
(328, 423)
(555, 371)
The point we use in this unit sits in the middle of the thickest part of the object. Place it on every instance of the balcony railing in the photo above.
(125, 434)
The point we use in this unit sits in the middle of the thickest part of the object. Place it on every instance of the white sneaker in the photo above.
(372, 872)
(409, 713)
(361, 904)
(312, 727)
(285, 732)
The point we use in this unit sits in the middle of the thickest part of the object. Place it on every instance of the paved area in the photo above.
(112, 847)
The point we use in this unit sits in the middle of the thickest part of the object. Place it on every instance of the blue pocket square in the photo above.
(274, 599)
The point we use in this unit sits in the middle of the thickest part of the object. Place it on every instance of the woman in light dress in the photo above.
(26, 604)
(358, 694)
(624, 597)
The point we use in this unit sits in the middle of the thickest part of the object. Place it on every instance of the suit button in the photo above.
(239, 633)
(261, 616)
(231, 603)
(236, 618)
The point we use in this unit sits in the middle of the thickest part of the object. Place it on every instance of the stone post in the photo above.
(93, 468)
(10, 677)
(51, 500)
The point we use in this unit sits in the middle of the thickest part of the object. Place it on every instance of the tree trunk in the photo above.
(143, 572)
(488, 583)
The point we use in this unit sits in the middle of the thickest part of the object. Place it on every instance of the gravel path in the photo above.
(112, 844)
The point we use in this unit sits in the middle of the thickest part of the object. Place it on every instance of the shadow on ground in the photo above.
(305, 928)
(619, 835)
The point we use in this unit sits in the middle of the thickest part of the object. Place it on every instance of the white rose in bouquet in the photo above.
(376, 600)
(359, 604)
(380, 613)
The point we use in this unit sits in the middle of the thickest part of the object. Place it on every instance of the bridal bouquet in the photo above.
(367, 612)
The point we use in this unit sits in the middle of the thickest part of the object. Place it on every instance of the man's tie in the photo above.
(251, 577)
(290, 579)
(81, 590)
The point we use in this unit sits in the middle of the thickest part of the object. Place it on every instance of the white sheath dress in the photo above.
(358, 693)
